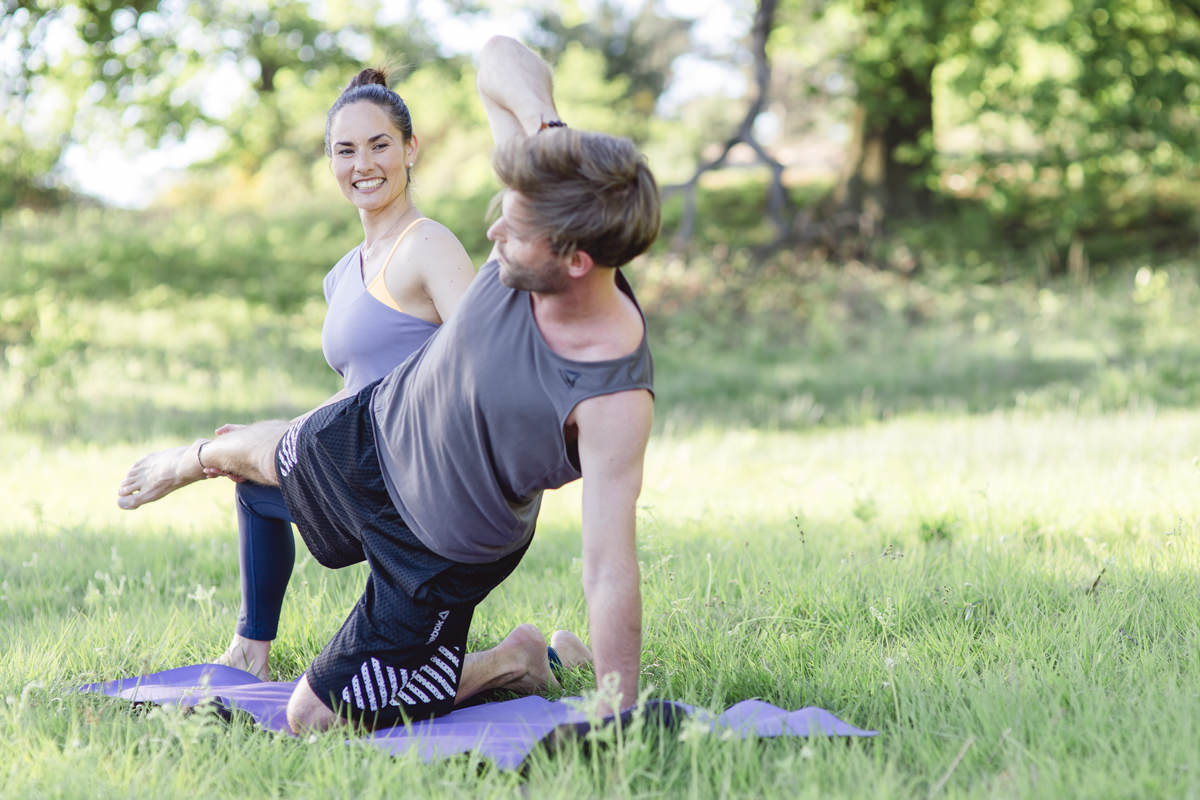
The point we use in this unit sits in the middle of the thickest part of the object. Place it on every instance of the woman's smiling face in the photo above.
(369, 155)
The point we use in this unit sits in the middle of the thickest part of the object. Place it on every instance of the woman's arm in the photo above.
(442, 264)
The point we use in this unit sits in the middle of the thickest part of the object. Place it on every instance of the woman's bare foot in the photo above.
(572, 652)
(251, 655)
(159, 474)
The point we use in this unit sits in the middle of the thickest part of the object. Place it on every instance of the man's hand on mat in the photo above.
(571, 650)
(159, 474)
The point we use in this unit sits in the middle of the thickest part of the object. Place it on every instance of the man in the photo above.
(434, 475)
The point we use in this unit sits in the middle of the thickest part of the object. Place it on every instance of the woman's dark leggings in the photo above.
(267, 552)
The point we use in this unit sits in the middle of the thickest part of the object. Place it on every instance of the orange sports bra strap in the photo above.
(377, 288)
(379, 275)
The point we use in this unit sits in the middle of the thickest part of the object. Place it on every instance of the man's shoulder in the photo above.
(613, 429)
(614, 408)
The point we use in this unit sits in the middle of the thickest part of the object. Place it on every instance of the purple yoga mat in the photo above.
(505, 732)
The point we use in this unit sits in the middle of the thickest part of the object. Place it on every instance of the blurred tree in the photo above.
(1089, 94)
(32, 136)
(778, 205)
(263, 71)
(888, 50)
(1081, 116)
(1110, 93)
(23, 167)
(637, 45)
(891, 68)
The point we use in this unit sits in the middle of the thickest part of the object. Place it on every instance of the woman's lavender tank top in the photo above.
(363, 339)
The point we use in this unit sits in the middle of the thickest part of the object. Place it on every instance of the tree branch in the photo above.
(778, 203)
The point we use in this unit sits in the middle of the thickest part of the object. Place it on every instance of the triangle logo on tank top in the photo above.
(569, 377)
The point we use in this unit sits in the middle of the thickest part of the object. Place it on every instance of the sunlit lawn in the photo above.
(1007, 593)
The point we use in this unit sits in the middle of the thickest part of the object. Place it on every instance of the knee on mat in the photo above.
(306, 713)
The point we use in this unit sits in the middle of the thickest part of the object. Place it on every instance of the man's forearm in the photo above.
(615, 620)
(517, 81)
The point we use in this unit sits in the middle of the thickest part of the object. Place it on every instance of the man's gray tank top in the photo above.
(470, 429)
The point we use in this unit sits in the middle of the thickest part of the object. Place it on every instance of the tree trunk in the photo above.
(778, 204)
(890, 154)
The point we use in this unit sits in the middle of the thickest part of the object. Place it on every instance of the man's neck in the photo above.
(591, 320)
(584, 298)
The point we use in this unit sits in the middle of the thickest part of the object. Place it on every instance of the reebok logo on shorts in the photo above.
(438, 627)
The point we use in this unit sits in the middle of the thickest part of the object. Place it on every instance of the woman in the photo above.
(386, 297)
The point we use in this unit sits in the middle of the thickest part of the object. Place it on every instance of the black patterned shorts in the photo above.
(399, 654)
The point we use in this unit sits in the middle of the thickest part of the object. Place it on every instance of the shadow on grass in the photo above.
(848, 348)
(788, 390)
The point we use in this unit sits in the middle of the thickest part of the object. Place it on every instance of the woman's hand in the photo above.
(213, 472)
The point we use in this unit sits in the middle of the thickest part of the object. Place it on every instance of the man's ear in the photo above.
(579, 264)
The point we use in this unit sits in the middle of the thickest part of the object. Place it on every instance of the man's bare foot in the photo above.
(572, 652)
(159, 474)
(529, 666)
(251, 655)
(519, 663)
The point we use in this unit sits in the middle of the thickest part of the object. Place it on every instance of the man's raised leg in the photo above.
(248, 452)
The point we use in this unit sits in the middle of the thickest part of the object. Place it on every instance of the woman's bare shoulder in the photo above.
(434, 230)
(433, 242)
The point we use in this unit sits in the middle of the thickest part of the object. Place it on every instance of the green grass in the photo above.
(796, 567)
(962, 514)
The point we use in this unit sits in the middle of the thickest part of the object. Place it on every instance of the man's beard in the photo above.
(547, 278)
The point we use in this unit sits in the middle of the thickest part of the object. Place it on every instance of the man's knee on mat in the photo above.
(306, 712)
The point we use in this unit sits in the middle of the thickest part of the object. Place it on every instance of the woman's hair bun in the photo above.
(367, 77)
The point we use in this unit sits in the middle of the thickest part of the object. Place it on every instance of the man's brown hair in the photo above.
(584, 191)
